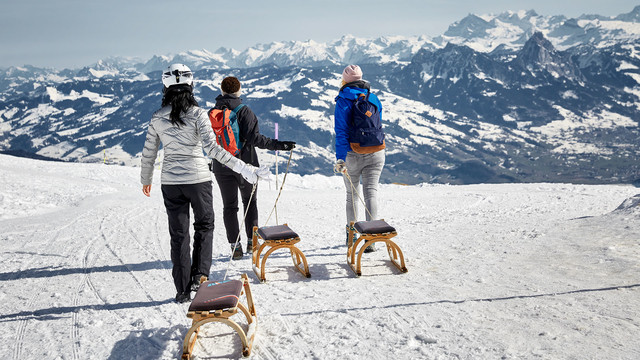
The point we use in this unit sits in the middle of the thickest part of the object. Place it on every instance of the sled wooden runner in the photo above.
(217, 302)
(371, 232)
(276, 237)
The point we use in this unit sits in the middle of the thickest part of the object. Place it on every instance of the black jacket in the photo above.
(249, 133)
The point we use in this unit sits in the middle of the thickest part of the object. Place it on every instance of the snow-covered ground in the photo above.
(514, 271)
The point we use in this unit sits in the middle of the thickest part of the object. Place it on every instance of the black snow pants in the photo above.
(177, 199)
(229, 184)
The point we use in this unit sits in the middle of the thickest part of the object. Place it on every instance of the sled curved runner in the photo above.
(274, 238)
(217, 302)
(372, 232)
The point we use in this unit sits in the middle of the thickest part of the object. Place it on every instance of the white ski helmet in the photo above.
(177, 74)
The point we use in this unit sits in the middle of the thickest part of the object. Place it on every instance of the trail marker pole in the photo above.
(276, 210)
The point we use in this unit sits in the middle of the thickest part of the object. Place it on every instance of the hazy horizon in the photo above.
(75, 33)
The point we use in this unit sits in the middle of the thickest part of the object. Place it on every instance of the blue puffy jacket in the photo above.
(342, 116)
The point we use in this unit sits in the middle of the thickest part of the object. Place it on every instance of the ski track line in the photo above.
(305, 347)
(158, 238)
(133, 235)
(263, 348)
(75, 332)
(86, 281)
(48, 243)
(132, 274)
(22, 323)
(129, 271)
(139, 284)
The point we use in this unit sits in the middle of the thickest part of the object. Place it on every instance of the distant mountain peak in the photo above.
(538, 53)
(469, 27)
(537, 49)
(632, 16)
(520, 15)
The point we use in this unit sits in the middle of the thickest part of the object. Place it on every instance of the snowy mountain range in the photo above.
(497, 98)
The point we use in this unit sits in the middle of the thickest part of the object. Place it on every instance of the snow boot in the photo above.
(371, 248)
(196, 280)
(237, 252)
(183, 297)
(250, 246)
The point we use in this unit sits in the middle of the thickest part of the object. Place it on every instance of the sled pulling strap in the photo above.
(217, 302)
(276, 237)
(371, 232)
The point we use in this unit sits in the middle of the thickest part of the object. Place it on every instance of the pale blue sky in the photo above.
(72, 33)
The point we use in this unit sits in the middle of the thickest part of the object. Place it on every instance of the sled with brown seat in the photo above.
(371, 232)
(275, 238)
(218, 302)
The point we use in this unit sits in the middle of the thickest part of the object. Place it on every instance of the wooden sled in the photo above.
(217, 302)
(372, 232)
(276, 237)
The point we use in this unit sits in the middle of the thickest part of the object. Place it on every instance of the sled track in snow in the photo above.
(24, 321)
(134, 236)
(158, 238)
(22, 325)
(296, 335)
(129, 271)
(29, 230)
(105, 237)
(86, 281)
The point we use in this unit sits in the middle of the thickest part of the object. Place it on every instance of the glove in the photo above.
(251, 173)
(340, 167)
(263, 173)
(247, 171)
(285, 145)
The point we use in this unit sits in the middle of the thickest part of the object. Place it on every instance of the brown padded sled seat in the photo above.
(277, 232)
(371, 232)
(373, 227)
(218, 302)
(217, 295)
(276, 237)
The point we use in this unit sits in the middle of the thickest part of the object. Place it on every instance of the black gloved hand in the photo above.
(285, 145)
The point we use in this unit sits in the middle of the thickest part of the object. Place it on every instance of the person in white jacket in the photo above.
(184, 130)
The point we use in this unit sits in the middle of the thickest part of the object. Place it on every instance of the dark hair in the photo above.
(230, 85)
(181, 99)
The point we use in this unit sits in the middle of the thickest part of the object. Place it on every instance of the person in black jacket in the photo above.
(230, 182)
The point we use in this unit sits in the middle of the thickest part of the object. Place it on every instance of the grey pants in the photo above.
(365, 168)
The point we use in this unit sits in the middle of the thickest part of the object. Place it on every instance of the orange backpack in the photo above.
(225, 126)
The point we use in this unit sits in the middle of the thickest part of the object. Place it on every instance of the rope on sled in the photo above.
(353, 201)
(253, 190)
(280, 192)
(246, 211)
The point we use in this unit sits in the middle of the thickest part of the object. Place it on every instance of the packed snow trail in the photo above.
(512, 271)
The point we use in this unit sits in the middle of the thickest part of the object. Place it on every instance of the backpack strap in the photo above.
(237, 108)
(368, 88)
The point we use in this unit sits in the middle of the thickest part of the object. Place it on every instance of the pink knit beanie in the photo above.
(352, 73)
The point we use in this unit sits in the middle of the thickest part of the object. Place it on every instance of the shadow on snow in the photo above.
(58, 312)
(147, 344)
(47, 272)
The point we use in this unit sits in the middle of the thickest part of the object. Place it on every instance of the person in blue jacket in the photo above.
(362, 164)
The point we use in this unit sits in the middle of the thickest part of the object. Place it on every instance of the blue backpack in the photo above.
(366, 125)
